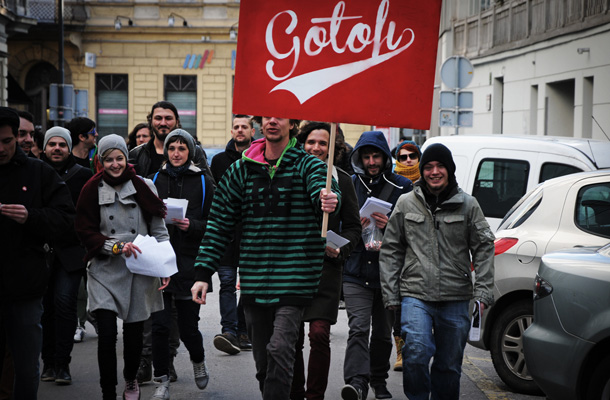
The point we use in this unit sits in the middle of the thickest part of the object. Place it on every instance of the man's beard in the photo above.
(160, 136)
(242, 142)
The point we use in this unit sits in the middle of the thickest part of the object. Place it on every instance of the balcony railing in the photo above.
(521, 22)
(46, 11)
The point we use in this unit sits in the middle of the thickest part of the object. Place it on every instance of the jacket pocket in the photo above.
(415, 218)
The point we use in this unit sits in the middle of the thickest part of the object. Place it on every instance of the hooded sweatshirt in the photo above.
(362, 267)
(281, 250)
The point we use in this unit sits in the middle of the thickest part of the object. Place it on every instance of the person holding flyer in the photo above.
(425, 266)
(113, 208)
(180, 178)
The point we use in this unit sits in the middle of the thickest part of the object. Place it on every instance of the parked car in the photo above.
(570, 211)
(499, 169)
(568, 345)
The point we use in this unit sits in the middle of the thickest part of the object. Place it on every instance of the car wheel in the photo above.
(506, 346)
(599, 386)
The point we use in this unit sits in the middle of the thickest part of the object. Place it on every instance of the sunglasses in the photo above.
(92, 132)
(405, 157)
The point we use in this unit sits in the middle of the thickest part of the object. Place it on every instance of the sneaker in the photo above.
(244, 342)
(144, 374)
(132, 390)
(173, 375)
(62, 375)
(162, 388)
(381, 392)
(48, 374)
(201, 374)
(341, 305)
(226, 342)
(79, 335)
(349, 392)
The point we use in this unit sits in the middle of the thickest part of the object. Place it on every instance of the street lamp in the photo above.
(117, 22)
(172, 19)
(233, 31)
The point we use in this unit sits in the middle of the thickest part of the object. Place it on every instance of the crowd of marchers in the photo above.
(72, 209)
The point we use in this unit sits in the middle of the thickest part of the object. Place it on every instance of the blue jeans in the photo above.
(439, 330)
(232, 317)
(59, 319)
(21, 321)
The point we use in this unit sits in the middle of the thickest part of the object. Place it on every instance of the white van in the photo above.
(499, 169)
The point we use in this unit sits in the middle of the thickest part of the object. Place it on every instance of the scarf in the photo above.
(408, 172)
(176, 172)
(88, 209)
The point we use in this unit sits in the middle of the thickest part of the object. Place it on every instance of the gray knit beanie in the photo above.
(112, 141)
(57, 131)
(186, 138)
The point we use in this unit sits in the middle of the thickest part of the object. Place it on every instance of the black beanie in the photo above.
(440, 153)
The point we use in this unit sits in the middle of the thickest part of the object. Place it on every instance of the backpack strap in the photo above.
(203, 190)
(155, 177)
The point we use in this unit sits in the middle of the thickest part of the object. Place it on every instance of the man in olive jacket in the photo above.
(35, 207)
(431, 238)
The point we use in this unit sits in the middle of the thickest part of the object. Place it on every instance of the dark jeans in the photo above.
(106, 350)
(59, 317)
(318, 365)
(274, 332)
(433, 329)
(367, 361)
(232, 317)
(174, 335)
(21, 322)
(188, 326)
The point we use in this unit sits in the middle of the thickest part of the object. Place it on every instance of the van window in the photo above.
(553, 170)
(499, 184)
(592, 213)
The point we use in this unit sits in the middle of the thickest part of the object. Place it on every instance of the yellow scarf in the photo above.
(408, 172)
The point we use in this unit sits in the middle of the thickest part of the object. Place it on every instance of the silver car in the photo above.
(568, 345)
(570, 211)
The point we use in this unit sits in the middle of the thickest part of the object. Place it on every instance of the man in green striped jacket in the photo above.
(278, 193)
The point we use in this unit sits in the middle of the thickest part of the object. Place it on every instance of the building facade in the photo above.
(540, 67)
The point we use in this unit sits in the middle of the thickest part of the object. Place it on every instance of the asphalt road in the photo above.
(232, 377)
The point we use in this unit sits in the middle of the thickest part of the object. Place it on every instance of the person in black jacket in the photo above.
(67, 269)
(35, 207)
(234, 335)
(147, 158)
(180, 178)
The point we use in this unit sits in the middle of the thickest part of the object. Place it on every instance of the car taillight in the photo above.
(541, 288)
(503, 244)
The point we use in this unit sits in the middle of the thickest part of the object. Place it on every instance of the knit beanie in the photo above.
(440, 153)
(186, 138)
(112, 141)
(57, 131)
(408, 145)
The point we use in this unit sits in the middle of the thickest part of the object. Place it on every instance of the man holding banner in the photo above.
(277, 191)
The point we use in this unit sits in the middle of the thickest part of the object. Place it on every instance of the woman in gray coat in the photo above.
(114, 207)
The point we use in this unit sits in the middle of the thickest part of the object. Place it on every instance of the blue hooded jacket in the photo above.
(362, 267)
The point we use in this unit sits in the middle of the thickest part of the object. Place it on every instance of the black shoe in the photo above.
(144, 371)
(381, 392)
(244, 342)
(226, 342)
(173, 376)
(48, 374)
(62, 376)
(352, 392)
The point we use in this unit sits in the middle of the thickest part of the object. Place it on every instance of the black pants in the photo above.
(188, 326)
(106, 350)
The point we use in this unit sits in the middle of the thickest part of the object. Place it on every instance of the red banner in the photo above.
(368, 62)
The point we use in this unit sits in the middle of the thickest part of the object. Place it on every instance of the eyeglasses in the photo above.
(405, 157)
(92, 132)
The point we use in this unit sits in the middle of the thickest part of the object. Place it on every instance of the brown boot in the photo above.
(399, 345)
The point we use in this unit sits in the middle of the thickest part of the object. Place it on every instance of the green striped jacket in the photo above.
(281, 250)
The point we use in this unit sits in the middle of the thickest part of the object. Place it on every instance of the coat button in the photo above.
(133, 206)
(133, 231)
(111, 217)
(112, 231)
(101, 184)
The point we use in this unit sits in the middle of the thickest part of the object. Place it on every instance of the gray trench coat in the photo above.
(111, 286)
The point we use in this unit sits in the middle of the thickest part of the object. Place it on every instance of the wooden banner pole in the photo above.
(329, 173)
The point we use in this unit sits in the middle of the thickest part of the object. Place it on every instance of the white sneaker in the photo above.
(79, 335)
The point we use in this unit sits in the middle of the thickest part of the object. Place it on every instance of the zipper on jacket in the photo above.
(436, 224)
